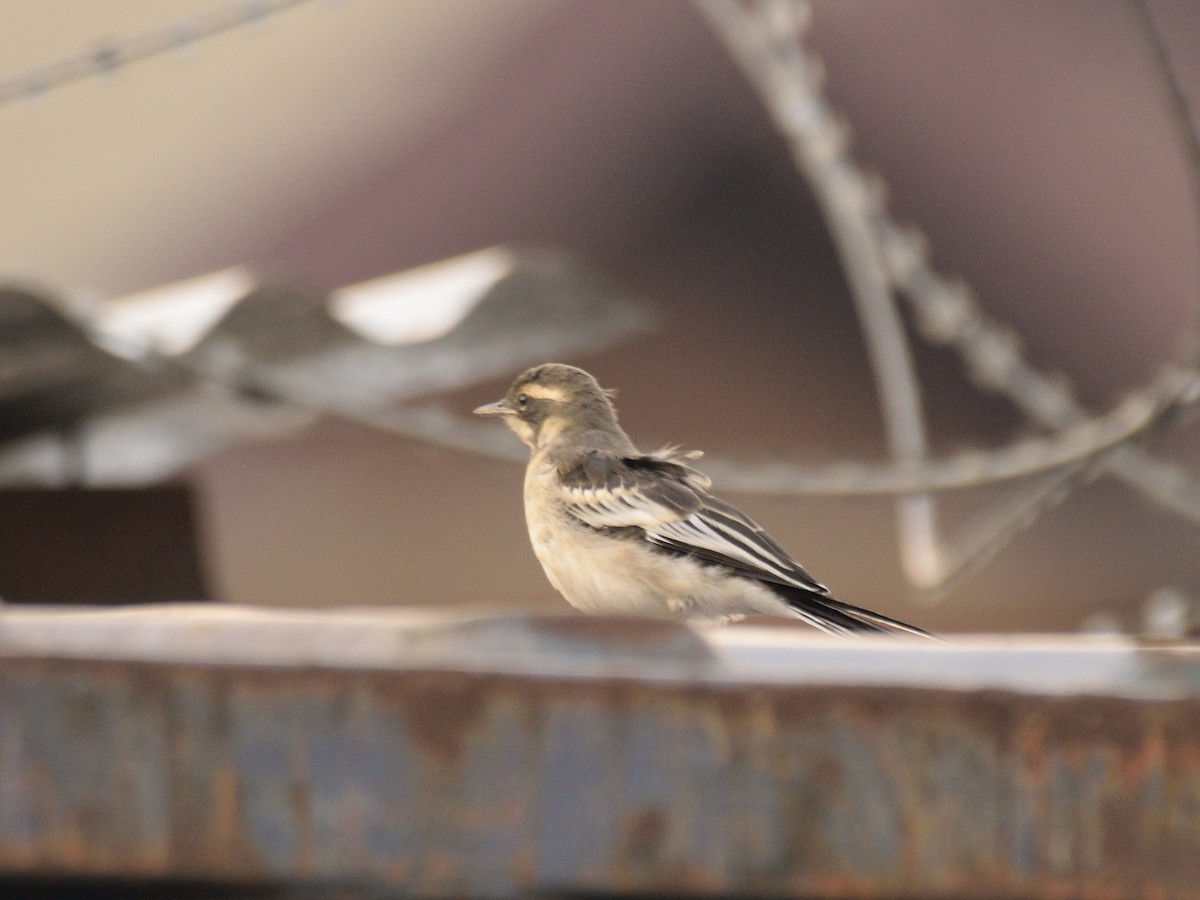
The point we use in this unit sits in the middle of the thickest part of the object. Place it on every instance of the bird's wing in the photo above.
(721, 534)
(668, 502)
(605, 490)
(667, 499)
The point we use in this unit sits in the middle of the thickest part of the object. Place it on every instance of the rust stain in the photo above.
(225, 816)
(644, 837)
(438, 710)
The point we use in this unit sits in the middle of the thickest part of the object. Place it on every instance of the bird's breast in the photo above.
(596, 573)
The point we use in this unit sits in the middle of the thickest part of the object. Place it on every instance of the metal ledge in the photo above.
(455, 755)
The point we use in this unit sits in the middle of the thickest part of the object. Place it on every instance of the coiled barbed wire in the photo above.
(766, 39)
(110, 56)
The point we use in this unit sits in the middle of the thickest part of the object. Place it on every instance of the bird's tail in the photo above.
(836, 617)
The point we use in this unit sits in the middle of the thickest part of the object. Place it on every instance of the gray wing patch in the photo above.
(606, 491)
(721, 534)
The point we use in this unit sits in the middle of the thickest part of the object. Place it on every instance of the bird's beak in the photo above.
(499, 408)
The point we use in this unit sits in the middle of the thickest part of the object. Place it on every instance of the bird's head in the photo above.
(549, 400)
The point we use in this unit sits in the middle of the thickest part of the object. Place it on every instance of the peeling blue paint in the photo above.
(446, 783)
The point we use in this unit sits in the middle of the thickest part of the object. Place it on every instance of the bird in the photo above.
(621, 532)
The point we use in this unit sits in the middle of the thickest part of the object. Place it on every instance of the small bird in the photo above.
(623, 532)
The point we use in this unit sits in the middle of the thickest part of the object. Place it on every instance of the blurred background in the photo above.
(266, 452)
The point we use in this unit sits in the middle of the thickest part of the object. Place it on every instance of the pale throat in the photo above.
(523, 430)
(552, 428)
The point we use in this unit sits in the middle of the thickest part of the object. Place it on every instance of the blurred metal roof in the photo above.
(84, 404)
(52, 375)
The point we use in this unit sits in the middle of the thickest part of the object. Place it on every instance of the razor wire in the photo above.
(766, 38)
(109, 57)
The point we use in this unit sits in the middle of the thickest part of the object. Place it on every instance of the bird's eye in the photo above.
(522, 400)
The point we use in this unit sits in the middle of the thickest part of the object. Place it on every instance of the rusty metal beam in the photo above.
(454, 756)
